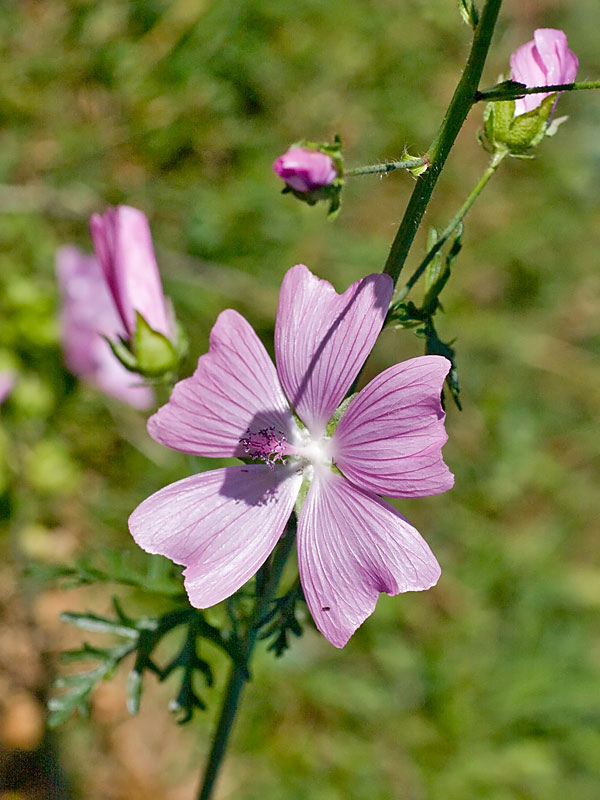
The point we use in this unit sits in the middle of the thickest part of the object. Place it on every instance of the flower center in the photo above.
(268, 445)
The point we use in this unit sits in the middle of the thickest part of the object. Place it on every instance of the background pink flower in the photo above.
(544, 61)
(88, 313)
(352, 545)
(7, 383)
(123, 244)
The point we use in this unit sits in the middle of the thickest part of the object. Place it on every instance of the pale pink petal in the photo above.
(544, 61)
(87, 315)
(554, 52)
(527, 68)
(221, 525)
(351, 547)
(111, 377)
(123, 243)
(322, 339)
(390, 438)
(234, 389)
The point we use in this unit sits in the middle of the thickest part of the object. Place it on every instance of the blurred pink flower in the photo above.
(7, 383)
(123, 244)
(352, 545)
(544, 61)
(305, 170)
(88, 313)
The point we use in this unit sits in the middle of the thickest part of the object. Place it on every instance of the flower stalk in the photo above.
(508, 92)
(239, 673)
(412, 164)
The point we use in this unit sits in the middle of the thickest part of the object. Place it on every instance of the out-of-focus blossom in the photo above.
(305, 170)
(88, 314)
(7, 382)
(123, 244)
(352, 545)
(544, 61)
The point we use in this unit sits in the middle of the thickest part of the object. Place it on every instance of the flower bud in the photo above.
(152, 344)
(124, 248)
(305, 170)
(517, 126)
(544, 61)
(313, 171)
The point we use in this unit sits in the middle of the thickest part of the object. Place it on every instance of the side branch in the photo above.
(509, 93)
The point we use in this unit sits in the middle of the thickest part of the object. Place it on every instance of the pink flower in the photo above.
(124, 248)
(7, 383)
(88, 313)
(305, 170)
(544, 61)
(352, 545)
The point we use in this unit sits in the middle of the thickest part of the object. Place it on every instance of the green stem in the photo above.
(496, 93)
(388, 166)
(457, 112)
(239, 674)
(452, 225)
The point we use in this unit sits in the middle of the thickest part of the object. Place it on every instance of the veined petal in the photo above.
(390, 438)
(234, 388)
(351, 547)
(221, 525)
(322, 339)
(123, 243)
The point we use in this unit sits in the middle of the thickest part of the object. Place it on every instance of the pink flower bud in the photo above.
(88, 315)
(544, 61)
(305, 170)
(124, 248)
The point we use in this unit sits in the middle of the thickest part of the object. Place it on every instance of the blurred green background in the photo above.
(485, 687)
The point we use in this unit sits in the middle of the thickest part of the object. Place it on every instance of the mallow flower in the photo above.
(305, 170)
(88, 315)
(544, 61)
(352, 545)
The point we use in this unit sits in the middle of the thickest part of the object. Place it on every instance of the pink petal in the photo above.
(560, 63)
(234, 388)
(88, 313)
(221, 525)
(124, 247)
(390, 438)
(322, 339)
(351, 547)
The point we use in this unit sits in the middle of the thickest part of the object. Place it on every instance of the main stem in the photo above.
(239, 675)
(459, 107)
(452, 225)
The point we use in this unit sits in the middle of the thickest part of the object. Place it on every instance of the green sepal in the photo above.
(122, 352)
(338, 414)
(517, 134)
(154, 353)
(468, 12)
(304, 487)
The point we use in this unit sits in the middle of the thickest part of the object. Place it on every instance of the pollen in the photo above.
(266, 445)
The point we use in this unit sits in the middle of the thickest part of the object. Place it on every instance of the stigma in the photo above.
(267, 444)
